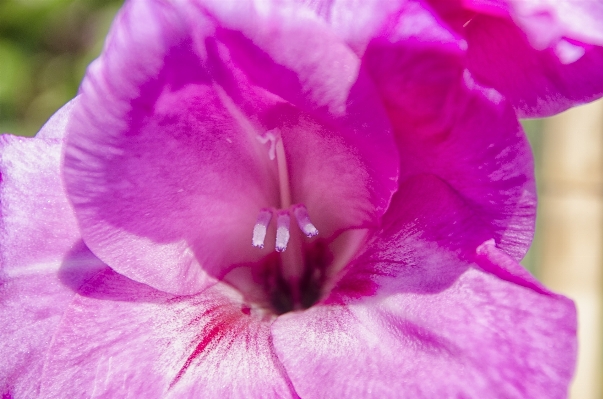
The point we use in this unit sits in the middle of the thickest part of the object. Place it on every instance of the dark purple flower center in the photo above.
(283, 295)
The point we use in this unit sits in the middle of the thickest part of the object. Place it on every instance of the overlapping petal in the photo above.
(459, 131)
(446, 124)
(163, 154)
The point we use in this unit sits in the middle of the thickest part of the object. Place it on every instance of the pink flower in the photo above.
(271, 200)
(544, 55)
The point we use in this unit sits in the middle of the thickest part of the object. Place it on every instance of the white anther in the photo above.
(283, 221)
(259, 230)
(270, 136)
(303, 221)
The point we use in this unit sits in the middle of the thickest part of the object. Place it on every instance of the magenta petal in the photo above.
(485, 158)
(164, 165)
(448, 126)
(122, 338)
(429, 310)
(545, 56)
(538, 82)
(466, 135)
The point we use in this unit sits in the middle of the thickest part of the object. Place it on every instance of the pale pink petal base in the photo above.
(37, 222)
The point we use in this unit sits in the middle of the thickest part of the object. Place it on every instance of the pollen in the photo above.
(260, 228)
(283, 222)
(303, 220)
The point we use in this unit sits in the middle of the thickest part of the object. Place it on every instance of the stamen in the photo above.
(283, 221)
(303, 220)
(259, 230)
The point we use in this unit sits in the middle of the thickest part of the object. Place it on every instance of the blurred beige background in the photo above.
(567, 253)
(45, 46)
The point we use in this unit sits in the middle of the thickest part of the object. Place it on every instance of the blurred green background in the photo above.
(45, 47)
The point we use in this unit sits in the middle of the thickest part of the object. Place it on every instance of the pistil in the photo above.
(283, 173)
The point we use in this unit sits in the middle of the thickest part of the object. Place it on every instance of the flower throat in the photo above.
(286, 292)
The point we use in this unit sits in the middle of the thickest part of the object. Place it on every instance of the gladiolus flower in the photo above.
(259, 201)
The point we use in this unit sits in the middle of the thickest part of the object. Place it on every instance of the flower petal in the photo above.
(545, 56)
(446, 124)
(412, 320)
(539, 82)
(425, 210)
(154, 161)
(37, 231)
(163, 163)
(37, 222)
(479, 337)
(461, 132)
(33, 299)
(120, 338)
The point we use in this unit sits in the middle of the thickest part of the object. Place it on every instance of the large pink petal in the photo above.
(163, 165)
(121, 338)
(412, 320)
(480, 337)
(33, 299)
(37, 233)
